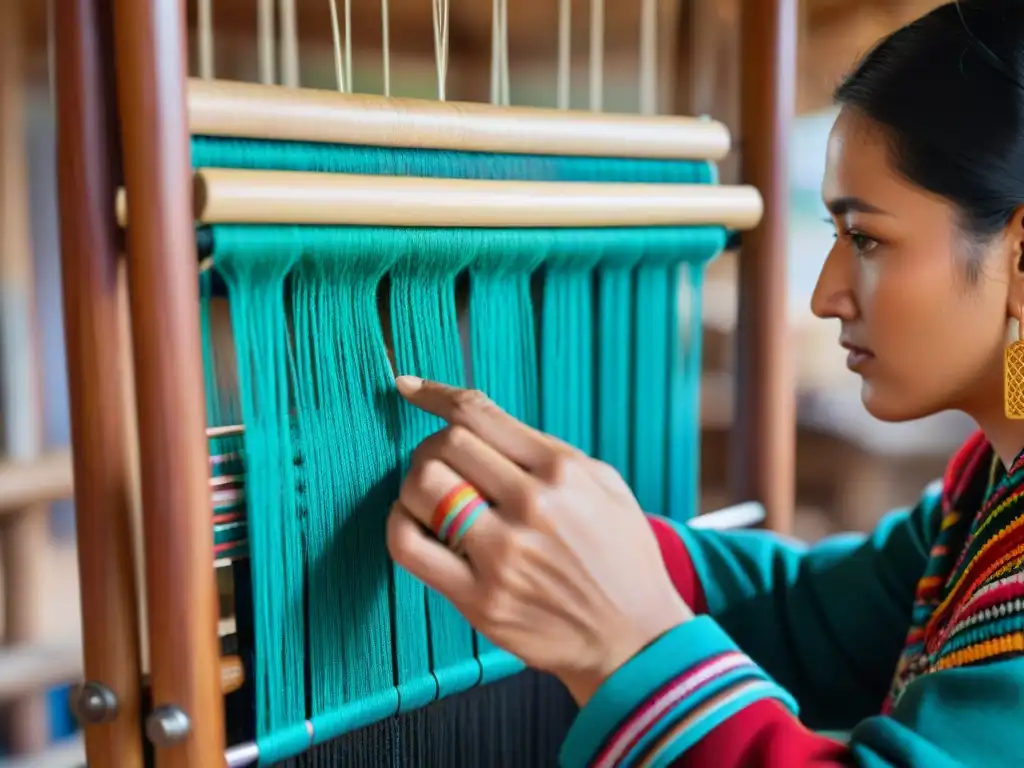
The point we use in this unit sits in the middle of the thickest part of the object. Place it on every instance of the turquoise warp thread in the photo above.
(255, 272)
(667, 376)
(346, 416)
(684, 383)
(316, 388)
(614, 371)
(504, 349)
(567, 397)
(425, 333)
(255, 154)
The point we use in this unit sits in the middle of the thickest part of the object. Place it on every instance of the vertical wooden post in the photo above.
(25, 534)
(152, 56)
(86, 182)
(764, 435)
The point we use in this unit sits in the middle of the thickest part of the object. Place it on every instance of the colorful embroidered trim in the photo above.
(668, 720)
(969, 605)
(668, 747)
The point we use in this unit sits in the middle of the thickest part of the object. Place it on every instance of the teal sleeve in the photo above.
(692, 699)
(693, 674)
(955, 718)
(826, 621)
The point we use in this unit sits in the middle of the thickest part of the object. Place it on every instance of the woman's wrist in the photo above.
(629, 639)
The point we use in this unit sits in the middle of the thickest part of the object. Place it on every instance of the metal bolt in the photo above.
(167, 726)
(93, 704)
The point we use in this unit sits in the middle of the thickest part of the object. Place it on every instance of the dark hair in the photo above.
(949, 91)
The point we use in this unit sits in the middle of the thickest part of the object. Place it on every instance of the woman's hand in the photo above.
(560, 566)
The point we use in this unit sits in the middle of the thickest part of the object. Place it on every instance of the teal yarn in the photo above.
(665, 462)
(561, 324)
(255, 277)
(652, 341)
(686, 366)
(425, 333)
(567, 319)
(614, 370)
(503, 340)
(255, 154)
(346, 424)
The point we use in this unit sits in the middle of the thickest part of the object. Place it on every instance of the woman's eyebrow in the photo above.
(841, 206)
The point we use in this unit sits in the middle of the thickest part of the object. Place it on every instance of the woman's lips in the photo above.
(858, 357)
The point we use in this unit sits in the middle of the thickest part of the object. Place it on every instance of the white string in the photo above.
(505, 84)
(564, 52)
(500, 91)
(339, 65)
(596, 54)
(289, 44)
(265, 32)
(495, 51)
(441, 46)
(649, 57)
(348, 46)
(386, 44)
(204, 12)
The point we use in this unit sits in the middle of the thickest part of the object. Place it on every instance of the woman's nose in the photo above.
(833, 293)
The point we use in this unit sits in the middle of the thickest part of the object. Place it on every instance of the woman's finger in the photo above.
(496, 476)
(426, 558)
(440, 499)
(473, 410)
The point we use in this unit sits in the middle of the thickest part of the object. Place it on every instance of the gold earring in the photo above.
(1013, 375)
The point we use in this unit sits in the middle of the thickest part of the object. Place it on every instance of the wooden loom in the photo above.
(146, 48)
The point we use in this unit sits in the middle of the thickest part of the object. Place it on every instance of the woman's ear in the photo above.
(1015, 271)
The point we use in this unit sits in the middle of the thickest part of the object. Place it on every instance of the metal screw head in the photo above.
(93, 704)
(167, 726)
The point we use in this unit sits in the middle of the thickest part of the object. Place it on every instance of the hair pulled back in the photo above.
(949, 91)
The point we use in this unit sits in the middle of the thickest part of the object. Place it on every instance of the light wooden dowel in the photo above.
(248, 110)
(48, 478)
(276, 197)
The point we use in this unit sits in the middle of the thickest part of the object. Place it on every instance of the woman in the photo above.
(688, 647)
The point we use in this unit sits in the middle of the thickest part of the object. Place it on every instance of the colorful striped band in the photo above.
(465, 520)
(456, 513)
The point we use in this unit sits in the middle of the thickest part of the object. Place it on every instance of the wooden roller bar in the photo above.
(276, 197)
(247, 110)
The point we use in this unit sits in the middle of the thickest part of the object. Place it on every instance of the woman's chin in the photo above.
(888, 406)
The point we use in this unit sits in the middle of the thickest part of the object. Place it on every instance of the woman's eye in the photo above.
(862, 243)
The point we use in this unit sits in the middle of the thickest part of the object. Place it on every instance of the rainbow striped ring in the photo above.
(456, 513)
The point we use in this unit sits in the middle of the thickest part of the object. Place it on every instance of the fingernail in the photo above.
(409, 385)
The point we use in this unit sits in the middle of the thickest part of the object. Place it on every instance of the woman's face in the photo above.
(922, 336)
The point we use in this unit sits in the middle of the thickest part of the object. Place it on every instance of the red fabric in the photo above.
(764, 735)
(959, 469)
(679, 565)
